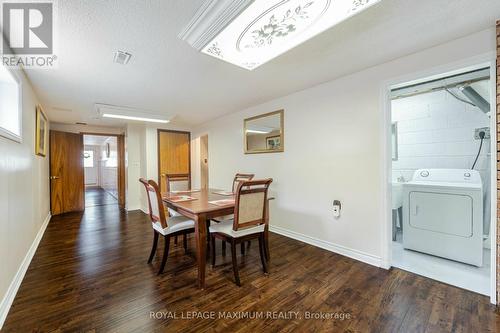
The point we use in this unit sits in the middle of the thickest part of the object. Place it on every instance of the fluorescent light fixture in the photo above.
(257, 131)
(126, 113)
(267, 28)
(117, 116)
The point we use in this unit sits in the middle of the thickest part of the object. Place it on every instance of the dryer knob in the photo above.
(467, 174)
(424, 173)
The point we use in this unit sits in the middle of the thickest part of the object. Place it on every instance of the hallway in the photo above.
(96, 196)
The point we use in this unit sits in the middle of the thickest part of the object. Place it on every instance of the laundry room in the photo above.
(441, 178)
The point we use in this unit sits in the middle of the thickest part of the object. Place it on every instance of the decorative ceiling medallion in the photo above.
(281, 21)
(267, 28)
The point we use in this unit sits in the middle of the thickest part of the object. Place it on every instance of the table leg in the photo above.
(201, 248)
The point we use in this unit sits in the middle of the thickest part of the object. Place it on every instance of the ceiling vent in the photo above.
(122, 57)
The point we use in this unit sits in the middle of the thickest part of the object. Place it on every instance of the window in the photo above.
(88, 160)
(10, 105)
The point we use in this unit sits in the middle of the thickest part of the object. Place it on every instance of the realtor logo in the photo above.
(27, 28)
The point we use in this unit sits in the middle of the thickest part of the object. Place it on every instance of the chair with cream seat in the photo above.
(239, 177)
(172, 226)
(250, 221)
(177, 182)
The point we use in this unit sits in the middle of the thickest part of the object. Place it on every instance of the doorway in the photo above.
(77, 179)
(174, 155)
(100, 162)
(441, 190)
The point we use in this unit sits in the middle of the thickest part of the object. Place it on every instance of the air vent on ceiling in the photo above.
(122, 57)
(80, 123)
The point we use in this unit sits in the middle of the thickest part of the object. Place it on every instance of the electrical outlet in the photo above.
(486, 130)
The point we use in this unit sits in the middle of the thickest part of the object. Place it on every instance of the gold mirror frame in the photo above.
(281, 113)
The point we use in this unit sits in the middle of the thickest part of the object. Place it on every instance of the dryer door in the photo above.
(441, 212)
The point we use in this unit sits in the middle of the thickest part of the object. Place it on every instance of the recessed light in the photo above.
(250, 33)
(122, 57)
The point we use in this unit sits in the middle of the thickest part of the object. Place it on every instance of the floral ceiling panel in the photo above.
(268, 28)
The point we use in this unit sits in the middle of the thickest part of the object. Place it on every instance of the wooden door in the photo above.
(67, 188)
(204, 161)
(173, 154)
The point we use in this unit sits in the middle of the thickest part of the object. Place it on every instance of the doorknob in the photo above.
(163, 174)
(53, 177)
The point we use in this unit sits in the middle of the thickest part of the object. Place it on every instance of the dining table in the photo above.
(200, 209)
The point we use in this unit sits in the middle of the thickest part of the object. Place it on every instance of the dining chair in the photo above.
(172, 226)
(177, 182)
(250, 222)
(239, 177)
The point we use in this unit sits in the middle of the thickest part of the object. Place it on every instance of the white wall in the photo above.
(142, 160)
(24, 199)
(333, 151)
(437, 131)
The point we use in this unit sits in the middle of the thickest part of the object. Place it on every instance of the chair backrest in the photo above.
(250, 203)
(155, 202)
(241, 177)
(178, 182)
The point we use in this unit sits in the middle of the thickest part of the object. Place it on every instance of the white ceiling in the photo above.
(166, 75)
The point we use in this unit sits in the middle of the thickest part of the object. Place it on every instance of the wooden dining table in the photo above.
(201, 211)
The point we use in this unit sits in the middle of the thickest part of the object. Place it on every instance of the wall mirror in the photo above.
(264, 133)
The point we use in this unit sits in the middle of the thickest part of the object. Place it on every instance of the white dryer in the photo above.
(443, 214)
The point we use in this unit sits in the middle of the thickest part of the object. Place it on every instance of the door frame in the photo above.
(120, 146)
(158, 132)
(482, 61)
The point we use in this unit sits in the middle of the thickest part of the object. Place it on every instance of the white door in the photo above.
(90, 163)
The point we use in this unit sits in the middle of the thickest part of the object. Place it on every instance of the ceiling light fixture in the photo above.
(126, 113)
(249, 33)
(118, 116)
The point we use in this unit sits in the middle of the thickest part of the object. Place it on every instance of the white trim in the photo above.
(477, 62)
(18, 278)
(210, 19)
(493, 178)
(342, 250)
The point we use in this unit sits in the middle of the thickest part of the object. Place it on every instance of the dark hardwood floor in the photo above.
(96, 196)
(90, 274)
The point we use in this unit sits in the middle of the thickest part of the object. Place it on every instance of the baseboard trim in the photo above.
(339, 249)
(18, 278)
